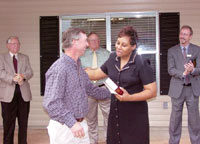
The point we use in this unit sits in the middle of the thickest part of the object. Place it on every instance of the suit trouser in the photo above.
(92, 117)
(61, 134)
(19, 109)
(192, 103)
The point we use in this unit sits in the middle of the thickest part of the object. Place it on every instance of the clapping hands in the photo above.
(18, 78)
(189, 67)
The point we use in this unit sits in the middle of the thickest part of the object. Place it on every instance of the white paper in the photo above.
(111, 85)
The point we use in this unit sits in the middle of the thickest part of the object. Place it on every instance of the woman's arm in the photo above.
(149, 92)
(95, 74)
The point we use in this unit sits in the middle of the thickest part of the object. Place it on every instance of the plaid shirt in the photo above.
(67, 89)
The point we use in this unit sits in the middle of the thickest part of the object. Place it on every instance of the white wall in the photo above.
(21, 18)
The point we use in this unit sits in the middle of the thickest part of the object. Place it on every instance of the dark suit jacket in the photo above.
(176, 69)
(7, 72)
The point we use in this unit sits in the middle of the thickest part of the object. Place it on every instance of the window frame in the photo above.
(107, 17)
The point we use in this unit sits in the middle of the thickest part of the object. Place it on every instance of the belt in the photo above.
(80, 119)
(101, 85)
(189, 84)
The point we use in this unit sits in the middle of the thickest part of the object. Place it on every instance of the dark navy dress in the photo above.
(128, 122)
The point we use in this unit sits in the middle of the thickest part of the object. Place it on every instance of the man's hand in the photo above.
(18, 78)
(77, 130)
(21, 82)
(189, 67)
(15, 78)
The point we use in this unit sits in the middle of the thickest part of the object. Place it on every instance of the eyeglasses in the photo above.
(14, 43)
(92, 40)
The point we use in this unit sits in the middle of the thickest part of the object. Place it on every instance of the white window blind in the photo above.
(108, 25)
(97, 25)
(145, 26)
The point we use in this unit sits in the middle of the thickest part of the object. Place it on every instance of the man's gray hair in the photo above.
(12, 37)
(70, 35)
(187, 27)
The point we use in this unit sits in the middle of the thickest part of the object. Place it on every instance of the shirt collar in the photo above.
(132, 57)
(71, 60)
(11, 54)
(187, 46)
(91, 51)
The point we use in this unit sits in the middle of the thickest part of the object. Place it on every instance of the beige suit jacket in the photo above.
(7, 72)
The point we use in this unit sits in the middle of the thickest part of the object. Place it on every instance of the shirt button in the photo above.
(119, 142)
(115, 109)
(117, 82)
(117, 125)
(117, 133)
(116, 116)
(115, 99)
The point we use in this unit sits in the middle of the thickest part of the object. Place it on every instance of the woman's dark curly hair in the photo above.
(130, 32)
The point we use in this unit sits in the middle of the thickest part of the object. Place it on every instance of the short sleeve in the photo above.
(146, 73)
(104, 67)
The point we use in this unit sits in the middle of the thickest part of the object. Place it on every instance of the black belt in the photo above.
(189, 84)
(80, 119)
(101, 85)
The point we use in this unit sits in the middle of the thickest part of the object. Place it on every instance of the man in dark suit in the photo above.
(184, 68)
(15, 93)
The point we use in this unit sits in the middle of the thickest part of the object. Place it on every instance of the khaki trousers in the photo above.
(92, 118)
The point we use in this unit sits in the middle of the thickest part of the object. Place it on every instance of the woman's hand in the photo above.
(150, 91)
(95, 74)
(125, 97)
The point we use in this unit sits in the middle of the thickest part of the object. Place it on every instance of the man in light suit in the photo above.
(15, 93)
(184, 68)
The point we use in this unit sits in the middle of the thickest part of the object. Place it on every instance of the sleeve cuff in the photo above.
(183, 76)
(192, 71)
(70, 122)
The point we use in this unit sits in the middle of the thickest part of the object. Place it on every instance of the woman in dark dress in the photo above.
(128, 120)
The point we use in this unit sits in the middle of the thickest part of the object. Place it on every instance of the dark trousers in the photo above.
(19, 109)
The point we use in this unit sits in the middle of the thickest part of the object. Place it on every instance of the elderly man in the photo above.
(15, 93)
(66, 92)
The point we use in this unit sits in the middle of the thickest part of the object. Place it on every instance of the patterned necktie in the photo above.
(94, 60)
(184, 54)
(15, 63)
(187, 79)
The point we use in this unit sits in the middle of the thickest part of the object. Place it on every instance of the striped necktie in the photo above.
(187, 78)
